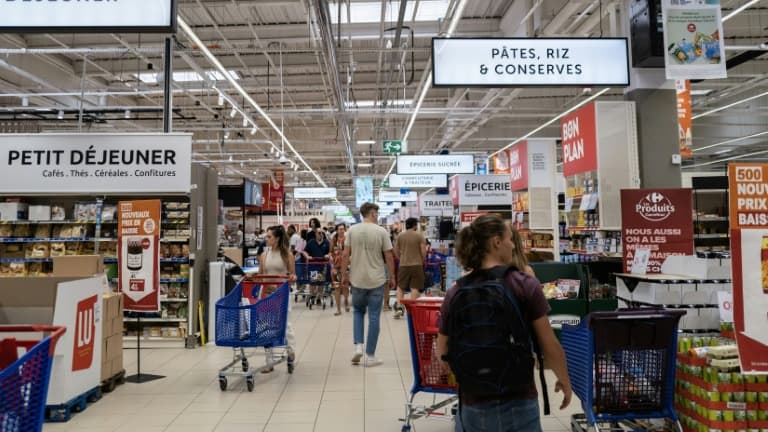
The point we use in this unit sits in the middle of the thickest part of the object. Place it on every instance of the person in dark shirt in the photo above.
(318, 249)
(482, 248)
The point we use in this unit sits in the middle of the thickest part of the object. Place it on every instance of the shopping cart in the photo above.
(243, 323)
(428, 374)
(317, 275)
(24, 380)
(622, 367)
(256, 287)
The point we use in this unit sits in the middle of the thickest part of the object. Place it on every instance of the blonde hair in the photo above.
(518, 254)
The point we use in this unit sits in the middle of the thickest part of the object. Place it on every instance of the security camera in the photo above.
(283, 159)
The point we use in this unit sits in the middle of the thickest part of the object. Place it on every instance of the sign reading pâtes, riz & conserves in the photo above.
(95, 163)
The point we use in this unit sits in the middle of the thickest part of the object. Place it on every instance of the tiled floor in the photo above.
(325, 393)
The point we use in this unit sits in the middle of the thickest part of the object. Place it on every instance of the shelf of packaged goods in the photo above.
(184, 221)
(69, 222)
(53, 240)
(150, 320)
(173, 300)
(26, 260)
(710, 236)
(111, 260)
(174, 240)
(710, 219)
(588, 229)
(174, 280)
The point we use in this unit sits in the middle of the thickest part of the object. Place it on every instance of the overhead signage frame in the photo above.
(436, 164)
(314, 193)
(134, 16)
(530, 62)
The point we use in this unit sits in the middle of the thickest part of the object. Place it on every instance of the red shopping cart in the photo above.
(256, 287)
(428, 374)
(24, 379)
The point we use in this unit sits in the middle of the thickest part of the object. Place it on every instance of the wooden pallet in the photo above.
(63, 412)
(109, 384)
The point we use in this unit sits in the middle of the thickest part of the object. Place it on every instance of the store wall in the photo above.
(657, 137)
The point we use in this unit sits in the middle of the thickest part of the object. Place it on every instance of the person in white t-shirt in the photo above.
(294, 238)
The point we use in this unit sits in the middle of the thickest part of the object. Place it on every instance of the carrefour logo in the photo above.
(654, 207)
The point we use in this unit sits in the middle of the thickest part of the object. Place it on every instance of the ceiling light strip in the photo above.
(554, 119)
(215, 61)
(731, 141)
(740, 9)
(730, 105)
(717, 161)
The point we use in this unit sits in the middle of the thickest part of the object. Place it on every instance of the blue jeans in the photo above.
(500, 416)
(370, 299)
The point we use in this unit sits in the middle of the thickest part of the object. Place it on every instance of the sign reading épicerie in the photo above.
(95, 163)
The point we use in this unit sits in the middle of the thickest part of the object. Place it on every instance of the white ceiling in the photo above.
(252, 38)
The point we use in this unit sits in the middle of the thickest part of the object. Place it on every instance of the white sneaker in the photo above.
(371, 361)
(358, 354)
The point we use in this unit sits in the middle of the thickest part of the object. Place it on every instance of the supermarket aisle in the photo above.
(325, 393)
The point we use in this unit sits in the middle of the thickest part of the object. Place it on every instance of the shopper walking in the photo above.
(479, 317)
(278, 260)
(367, 255)
(294, 239)
(410, 250)
(337, 251)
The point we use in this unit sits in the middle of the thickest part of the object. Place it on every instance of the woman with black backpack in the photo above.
(492, 321)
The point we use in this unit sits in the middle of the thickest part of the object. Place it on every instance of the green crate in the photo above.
(603, 305)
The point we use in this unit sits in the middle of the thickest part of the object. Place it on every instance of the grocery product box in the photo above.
(70, 302)
(112, 357)
(78, 266)
(12, 211)
(39, 213)
(651, 293)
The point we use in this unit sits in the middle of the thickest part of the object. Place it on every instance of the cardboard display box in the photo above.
(78, 266)
(112, 335)
(70, 302)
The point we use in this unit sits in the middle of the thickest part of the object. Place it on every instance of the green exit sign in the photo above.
(385, 183)
(394, 146)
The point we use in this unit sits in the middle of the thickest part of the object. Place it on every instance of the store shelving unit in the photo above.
(710, 218)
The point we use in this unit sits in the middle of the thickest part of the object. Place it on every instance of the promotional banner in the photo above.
(518, 166)
(468, 217)
(314, 193)
(453, 190)
(693, 36)
(435, 205)
(501, 162)
(436, 164)
(748, 191)
(138, 248)
(416, 181)
(522, 62)
(658, 220)
(363, 190)
(483, 190)
(579, 135)
(52, 16)
(95, 163)
(274, 191)
(684, 118)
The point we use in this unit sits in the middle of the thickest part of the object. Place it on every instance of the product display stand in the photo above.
(140, 378)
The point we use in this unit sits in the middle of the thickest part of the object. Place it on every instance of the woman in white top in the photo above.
(278, 260)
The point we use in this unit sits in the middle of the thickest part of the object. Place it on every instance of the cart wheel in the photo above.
(406, 428)
(223, 383)
(249, 384)
(290, 368)
(245, 365)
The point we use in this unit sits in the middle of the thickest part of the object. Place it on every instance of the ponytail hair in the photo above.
(472, 241)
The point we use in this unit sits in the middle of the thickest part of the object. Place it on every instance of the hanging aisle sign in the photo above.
(520, 62)
(436, 164)
(435, 205)
(656, 220)
(483, 190)
(363, 190)
(579, 134)
(748, 192)
(138, 248)
(518, 166)
(95, 163)
(693, 37)
(314, 193)
(415, 181)
(69, 16)
(397, 196)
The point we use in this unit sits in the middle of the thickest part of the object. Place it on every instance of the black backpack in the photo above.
(490, 348)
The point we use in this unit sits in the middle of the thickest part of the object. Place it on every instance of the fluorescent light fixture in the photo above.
(366, 142)
(186, 76)
(370, 11)
(739, 9)
(717, 161)
(364, 164)
(378, 104)
(701, 92)
(127, 114)
(254, 130)
(60, 115)
(731, 141)
(730, 105)
(220, 102)
(233, 113)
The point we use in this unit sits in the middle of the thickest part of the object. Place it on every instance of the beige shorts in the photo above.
(411, 277)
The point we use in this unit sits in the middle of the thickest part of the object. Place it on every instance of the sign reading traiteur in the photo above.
(530, 62)
(138, 249)
(748, 192)
(658, 220)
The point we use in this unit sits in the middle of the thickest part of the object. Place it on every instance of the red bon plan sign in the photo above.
(579, 134)
(518, 166)
(657, 219)
(748, 192)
